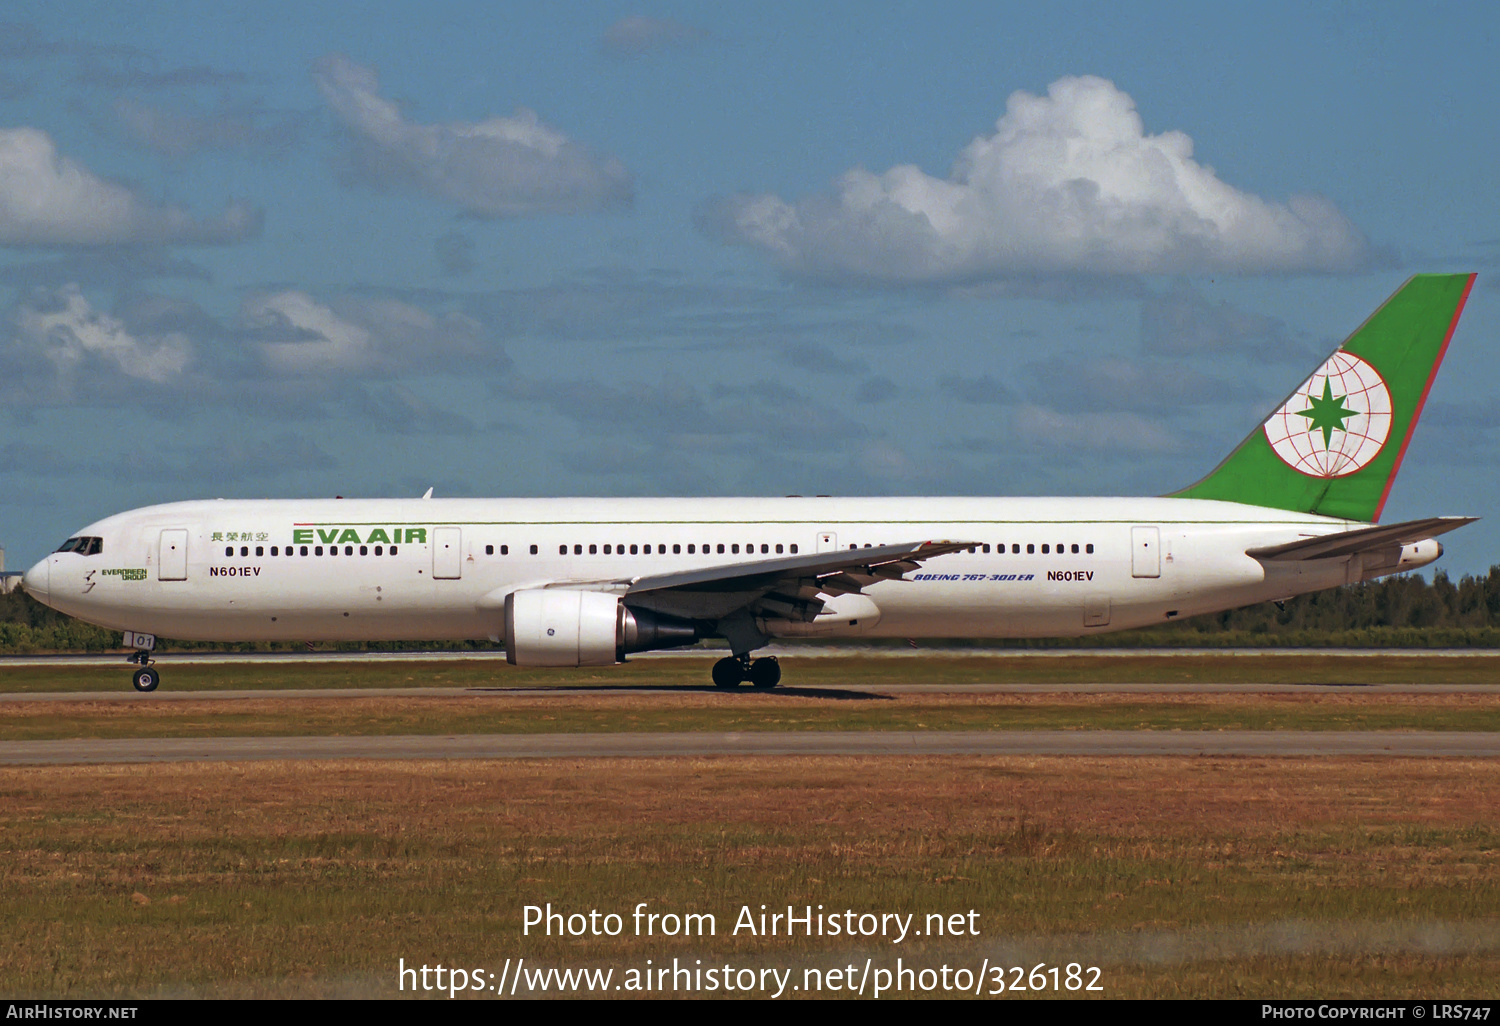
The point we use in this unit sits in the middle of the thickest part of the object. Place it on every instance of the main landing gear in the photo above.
(145, 678)
(761, 673)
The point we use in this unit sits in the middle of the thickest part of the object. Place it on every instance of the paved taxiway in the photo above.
(1424, 744)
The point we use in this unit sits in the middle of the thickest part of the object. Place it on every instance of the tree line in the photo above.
(1404, 611)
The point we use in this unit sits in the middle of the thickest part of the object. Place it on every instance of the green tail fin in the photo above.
(1334, 446)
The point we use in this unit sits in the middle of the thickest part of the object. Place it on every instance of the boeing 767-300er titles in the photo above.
(585, 582)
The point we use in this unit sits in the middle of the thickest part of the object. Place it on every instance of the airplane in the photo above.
(589, 581)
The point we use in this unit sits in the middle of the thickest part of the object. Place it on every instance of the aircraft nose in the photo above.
(37, 580)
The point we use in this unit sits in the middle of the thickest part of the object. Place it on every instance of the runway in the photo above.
(1417, 744)
(780, 651)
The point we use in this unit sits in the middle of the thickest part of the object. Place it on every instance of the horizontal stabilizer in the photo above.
(1361, 539)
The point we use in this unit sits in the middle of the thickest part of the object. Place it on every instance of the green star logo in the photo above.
(1327, 414)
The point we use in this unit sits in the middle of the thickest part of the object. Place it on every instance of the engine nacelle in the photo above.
(571, 627)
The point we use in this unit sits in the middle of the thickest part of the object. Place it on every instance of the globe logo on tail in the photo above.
(1336, 423)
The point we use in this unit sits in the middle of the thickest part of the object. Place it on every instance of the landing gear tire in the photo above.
(145, 679)
(765, 673)
(727, 673)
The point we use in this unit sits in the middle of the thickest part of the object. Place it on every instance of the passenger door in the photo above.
(1145, 552)
(171, 555)
(447, 554)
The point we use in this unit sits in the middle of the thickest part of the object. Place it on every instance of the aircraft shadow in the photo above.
(836, 694)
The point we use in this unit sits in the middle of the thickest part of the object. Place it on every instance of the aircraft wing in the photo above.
(1360, 539)
(785, 585)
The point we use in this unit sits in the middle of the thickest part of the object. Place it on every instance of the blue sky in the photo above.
(599, 248)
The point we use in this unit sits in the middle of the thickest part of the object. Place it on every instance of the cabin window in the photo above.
(504, 550)
(260, 550)
(1089, 548)
(562, 550)
(985, 549)
(794, 548)
(721, 548)
(377, 549)
(608, 550)
(735, 548)
(778, 548)
(393, 550)
(304, 550)
(489, 550)
(634, 550)
(317, 551)
(348, 550)
(273, 550)
(1075, 548)
(692, 548)
(364, 550)
(533, 550)
(1030, 548)
(676, 549)
(1044, 549)
(228, 550)
(593, 550)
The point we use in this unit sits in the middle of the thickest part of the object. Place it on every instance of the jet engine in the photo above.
(570, 627)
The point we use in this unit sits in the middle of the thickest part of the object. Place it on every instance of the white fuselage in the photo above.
(232, 570)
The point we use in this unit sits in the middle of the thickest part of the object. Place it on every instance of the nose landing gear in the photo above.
(761, 673)
(144, 678)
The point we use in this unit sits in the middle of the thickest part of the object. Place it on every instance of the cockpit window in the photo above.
(84, 546)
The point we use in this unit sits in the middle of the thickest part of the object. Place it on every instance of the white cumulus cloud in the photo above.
(500, 167)
(47, 199)
(367, 336)
(317, 339)
(68, 333)
(1069, 182)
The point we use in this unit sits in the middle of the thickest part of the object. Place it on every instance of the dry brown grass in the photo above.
(510, 713)
(930, 668)
(314, 878)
